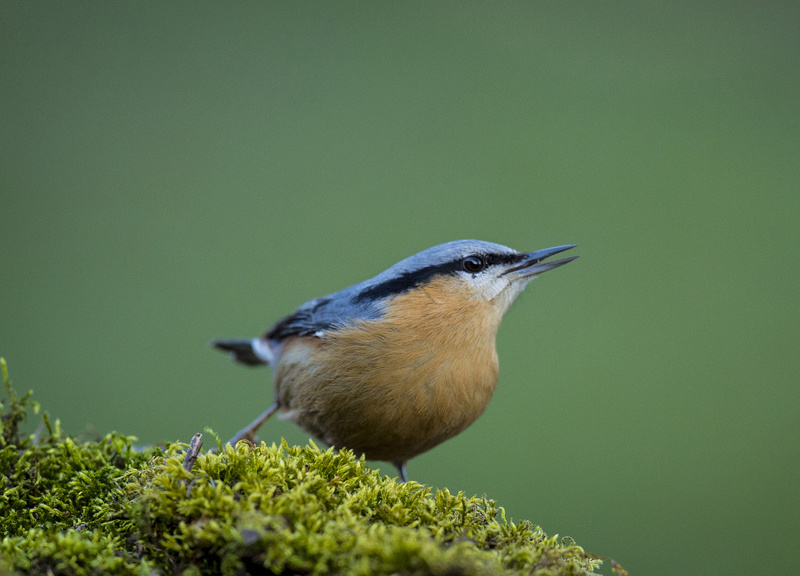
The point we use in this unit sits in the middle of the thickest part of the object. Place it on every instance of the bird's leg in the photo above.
(401, 467)
(249, 431)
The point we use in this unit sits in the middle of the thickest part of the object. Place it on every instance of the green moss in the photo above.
(102, 507)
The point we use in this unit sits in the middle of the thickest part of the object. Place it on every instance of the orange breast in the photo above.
(395, 387)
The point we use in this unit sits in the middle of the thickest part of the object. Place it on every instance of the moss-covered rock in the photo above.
(103, 507)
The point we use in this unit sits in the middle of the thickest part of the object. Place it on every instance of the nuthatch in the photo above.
(399, 363)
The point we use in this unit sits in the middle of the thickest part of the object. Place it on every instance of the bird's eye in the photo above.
(473, 264)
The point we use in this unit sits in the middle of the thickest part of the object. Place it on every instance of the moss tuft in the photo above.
(103, 507)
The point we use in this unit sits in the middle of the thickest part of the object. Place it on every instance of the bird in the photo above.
(397, 364)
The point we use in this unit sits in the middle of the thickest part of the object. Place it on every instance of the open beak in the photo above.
(533, 265)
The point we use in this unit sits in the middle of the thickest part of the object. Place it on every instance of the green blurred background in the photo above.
(172, 173)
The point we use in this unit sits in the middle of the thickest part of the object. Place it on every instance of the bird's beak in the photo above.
(533, 265)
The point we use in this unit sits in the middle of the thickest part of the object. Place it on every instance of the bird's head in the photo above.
(466, 269)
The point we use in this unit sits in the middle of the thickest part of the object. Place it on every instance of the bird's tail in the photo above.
(253, 351)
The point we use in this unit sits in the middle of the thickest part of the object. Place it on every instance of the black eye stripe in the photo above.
(414, 278)
(493, 259)
(406, 281)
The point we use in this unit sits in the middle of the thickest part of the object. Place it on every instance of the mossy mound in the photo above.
(102, 507)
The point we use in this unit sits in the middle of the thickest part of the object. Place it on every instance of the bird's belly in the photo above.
(388, 407)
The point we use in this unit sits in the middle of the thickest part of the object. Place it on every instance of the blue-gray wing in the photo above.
(320, 315)
(305, 321)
